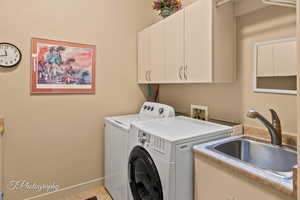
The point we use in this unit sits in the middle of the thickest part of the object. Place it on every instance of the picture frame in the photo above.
(62, 67)
(199, 112)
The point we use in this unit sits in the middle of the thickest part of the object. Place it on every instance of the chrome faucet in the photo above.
(274, 128)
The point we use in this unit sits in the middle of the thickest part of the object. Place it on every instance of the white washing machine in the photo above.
(161, 161)
(116, 145)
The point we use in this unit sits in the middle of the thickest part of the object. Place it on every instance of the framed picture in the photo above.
(62, 67)
(199, 112)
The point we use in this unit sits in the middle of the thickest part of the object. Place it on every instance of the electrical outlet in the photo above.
(199, 112)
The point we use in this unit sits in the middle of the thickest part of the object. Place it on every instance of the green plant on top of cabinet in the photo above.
(194, 45)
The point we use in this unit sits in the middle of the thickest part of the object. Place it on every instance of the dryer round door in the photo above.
(144, 179)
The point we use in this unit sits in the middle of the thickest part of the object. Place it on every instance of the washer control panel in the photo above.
(154, 143)
(157, 110)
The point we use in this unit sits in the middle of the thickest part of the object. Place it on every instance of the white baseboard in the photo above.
(67, 191)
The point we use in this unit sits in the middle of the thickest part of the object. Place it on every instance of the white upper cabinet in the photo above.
(174, 44)
(198, 41)
(143, 56)
(265, 64)
(275, 66)
(157, 52)
(151, 54)
(285, 59)
(194, 45)
(276, 58)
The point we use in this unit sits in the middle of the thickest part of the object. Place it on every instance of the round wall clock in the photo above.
(10, 55)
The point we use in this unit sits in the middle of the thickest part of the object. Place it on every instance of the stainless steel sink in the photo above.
(273, 159)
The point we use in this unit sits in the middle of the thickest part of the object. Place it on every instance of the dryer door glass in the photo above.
(144, 179)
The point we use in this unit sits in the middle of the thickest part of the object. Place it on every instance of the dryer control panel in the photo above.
(157, 110)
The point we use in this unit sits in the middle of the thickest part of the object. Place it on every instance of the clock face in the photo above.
(10, 55)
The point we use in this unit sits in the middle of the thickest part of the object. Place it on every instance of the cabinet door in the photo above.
(198, 41)
(215, 182)
(157, 52)
(265, 64)
(285, 59)
(143, 56)
(174, 44)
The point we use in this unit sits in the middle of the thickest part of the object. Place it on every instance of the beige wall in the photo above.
(231, 101)
(267, 24)
(59, 138)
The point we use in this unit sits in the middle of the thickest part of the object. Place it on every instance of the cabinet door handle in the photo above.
(179, 72)
(146, 75)
(150, 75)
(185, 72)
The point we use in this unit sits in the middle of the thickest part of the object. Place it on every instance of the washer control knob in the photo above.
(152, 108)
(161, 111)
(145, 107)
(143, 138)
(148, 108)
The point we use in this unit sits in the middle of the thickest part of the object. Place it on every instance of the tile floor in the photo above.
(100, 192)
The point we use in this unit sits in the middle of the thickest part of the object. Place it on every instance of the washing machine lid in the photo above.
(125, 121)
(181, 128)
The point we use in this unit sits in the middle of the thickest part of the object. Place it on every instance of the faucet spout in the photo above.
(276, 125)
(274, 128)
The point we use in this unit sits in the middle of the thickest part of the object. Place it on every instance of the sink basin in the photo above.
(273, 159)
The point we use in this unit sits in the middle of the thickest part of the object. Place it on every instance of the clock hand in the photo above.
(5, 53)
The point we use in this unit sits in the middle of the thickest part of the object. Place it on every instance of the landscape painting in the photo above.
(62, 67)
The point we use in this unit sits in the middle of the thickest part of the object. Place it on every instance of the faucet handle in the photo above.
(276, 121)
